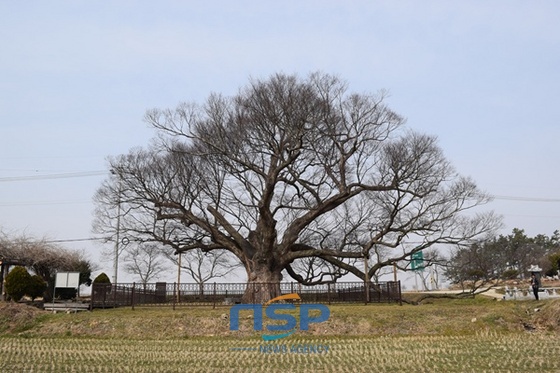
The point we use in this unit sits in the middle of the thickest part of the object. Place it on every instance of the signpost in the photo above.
(66, 280)
(417, 261)
(417, 264)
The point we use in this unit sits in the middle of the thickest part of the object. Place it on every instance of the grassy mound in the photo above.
(17, 317)
(444, 317)
(548, 316)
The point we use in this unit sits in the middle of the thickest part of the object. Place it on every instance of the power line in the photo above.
(75, 240)
(534, 216)
(43, 203)
(526, 199)
(67, 175)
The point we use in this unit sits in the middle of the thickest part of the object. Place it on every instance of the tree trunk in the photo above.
(263, 284)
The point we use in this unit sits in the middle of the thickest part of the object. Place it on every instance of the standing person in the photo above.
(535, 284)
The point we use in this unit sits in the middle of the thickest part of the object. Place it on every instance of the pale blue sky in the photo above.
(77, 76)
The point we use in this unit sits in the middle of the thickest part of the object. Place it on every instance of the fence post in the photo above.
(174, 295)
(132, 294)
(329, 293)
(214, 296)
(115, 295)
(179, 292)
(105, 293)
(92, 302)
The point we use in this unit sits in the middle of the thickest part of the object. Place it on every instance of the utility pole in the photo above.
(179, 278)
(366, 275)
(116, 254)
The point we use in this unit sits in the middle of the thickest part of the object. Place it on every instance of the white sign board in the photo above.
(67, 280)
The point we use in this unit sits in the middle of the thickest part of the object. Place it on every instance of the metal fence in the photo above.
(215, 294)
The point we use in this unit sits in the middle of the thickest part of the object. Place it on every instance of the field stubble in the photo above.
(444, 336)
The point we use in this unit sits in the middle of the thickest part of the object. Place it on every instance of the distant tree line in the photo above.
(491, 261)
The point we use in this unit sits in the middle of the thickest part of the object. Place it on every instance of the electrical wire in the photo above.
(53, 176)
(43, 203)
(104, 172)
(526, 199)
(76, 240)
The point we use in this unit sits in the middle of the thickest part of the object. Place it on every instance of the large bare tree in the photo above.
(289, 169)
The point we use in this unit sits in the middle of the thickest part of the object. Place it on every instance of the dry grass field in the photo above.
(476, 335)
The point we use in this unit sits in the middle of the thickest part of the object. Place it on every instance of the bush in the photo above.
(37, 287)
(101, 291)
(17, 283)
(102, 279)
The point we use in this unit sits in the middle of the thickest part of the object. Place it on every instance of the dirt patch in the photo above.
(17, 316)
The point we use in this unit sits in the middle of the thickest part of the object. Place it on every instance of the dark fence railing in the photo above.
(173, 294)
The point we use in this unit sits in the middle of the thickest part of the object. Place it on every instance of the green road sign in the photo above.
(417, 261)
